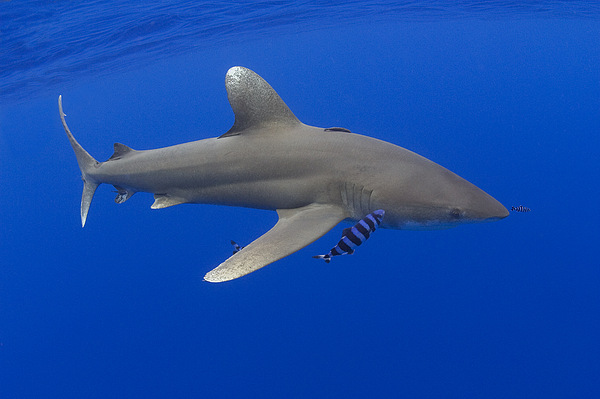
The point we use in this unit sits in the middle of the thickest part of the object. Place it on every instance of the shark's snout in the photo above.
(497, 213)
(486, 208)
(500, 211)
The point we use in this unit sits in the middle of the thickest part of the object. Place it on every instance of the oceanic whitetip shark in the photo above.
(313, 177)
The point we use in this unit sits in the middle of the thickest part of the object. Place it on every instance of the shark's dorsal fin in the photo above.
(254, 103)
(120, 151)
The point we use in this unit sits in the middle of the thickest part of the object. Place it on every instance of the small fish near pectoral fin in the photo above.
(295, 229)
(165, 201)
(354, 236)
(236, 247)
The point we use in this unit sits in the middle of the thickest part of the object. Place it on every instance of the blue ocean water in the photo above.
(505, 94)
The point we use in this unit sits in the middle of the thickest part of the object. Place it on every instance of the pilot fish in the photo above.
(236, 247)
(353, 236)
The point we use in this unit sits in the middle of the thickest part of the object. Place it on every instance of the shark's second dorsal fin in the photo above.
(254, 102)
(120, 151)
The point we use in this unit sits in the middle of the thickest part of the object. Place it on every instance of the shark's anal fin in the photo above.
(165, 200)
(295, 229)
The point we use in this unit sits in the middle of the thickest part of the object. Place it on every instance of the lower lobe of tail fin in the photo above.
(89, 188)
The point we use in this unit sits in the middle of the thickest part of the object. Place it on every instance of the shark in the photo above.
(313, 177)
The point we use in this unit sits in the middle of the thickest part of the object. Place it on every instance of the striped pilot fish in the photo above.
(353, 236)
(520, 208)
(236, 247)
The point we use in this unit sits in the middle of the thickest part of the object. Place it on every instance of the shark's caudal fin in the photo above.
(86, 164)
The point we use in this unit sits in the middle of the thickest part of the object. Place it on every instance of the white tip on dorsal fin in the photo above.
(254, 102)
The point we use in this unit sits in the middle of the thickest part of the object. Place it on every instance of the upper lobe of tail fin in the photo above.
(86, 163)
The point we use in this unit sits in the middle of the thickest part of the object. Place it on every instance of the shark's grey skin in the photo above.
(313, 177)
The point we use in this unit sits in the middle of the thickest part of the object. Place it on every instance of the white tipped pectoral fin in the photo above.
(295, 229)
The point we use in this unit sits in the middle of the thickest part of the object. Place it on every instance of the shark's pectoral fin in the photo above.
(165, 200)
(295, 229)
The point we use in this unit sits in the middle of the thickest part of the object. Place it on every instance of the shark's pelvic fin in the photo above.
(295, 229)
(254, 102)
(86, 162)
(165, 200)
(123, 194)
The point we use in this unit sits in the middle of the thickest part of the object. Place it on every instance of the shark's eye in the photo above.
(455, 213)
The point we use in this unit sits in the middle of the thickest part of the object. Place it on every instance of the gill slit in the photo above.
(356, 198)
